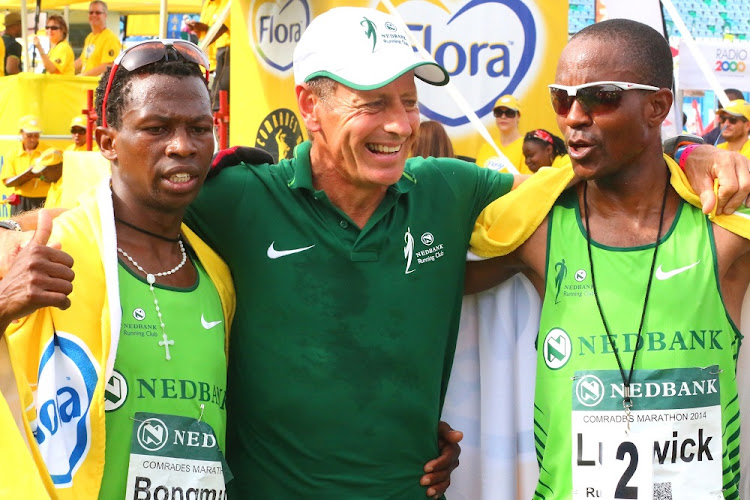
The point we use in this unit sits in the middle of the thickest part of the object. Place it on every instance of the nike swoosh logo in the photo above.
(275, 254)
(208, 324)
(665, 275)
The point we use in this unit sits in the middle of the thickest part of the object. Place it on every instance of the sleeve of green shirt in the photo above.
(216, 211)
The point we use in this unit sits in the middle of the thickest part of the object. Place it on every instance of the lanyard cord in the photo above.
(626, 381)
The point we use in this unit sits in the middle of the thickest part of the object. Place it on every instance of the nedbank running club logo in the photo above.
(370, 31)
(562, 270)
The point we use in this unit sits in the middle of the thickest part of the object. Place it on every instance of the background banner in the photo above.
(727, 59)
(490, 48)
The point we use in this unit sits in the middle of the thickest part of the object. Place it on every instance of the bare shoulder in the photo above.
(733, 258)
(529, 258)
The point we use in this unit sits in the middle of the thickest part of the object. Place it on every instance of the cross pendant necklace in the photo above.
(151, 279)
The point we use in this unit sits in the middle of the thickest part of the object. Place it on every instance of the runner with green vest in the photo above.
(636, 394)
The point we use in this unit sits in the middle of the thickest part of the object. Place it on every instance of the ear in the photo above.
(308, 104)
(106, 138)
(661, 102)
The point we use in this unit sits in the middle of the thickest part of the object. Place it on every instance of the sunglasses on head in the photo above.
(594, 97)
(510, 113)
(53, 28)
(151, 51)
(731, 119)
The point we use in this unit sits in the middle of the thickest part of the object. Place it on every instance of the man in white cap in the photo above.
(735, 122)
(31, 189)
(507, 112)
(350, 276)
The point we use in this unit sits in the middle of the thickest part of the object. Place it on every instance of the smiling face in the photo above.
(537, 154)
(601, 143)
(362, 138)
(162, 150)
(55, 35)
(97, 16)
(734, 131)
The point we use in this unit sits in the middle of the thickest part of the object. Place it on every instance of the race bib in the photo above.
(668, 447)
(175, 457)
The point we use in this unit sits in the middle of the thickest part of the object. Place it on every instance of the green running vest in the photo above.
(686, 325)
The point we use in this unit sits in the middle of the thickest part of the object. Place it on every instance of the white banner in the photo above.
(728, 61)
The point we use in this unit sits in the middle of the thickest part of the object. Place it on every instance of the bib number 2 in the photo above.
(627, 451)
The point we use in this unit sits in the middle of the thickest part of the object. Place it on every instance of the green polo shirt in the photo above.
(343, 339)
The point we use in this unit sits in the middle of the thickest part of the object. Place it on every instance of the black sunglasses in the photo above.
(731, 119)
(510, 113)
(53, 28)
(594, 97)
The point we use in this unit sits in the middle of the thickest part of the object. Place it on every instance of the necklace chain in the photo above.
(151, 279)
(627, 402)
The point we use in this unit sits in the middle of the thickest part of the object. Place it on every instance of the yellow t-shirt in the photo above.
(18, 161)
(62, 57)
(209, 13)
(73, 147)
(54, 195)
(514, 152)
(744, 150)
(99, 49)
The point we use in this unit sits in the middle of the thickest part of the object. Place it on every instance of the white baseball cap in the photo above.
(361, 48)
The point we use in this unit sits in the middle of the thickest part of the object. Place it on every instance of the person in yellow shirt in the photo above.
(209, 16)
(49, 167)
(31, 189)
(735, 122)
(60, 60)
(78, 131)
(101, 46)
(507, 113)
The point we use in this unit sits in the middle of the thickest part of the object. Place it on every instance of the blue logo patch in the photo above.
(66, 381)
(485, 60)
(275, 30)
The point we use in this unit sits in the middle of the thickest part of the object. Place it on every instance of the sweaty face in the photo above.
(601, 143)
(537, 155)
(30, 140)
(164, 145)
(366, 135)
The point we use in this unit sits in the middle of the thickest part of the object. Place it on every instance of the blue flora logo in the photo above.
(275, 29)
(66, 381)
(485, 60)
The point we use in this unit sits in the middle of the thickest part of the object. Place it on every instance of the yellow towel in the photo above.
(509, 221)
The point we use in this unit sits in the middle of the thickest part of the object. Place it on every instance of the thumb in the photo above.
(43, 228)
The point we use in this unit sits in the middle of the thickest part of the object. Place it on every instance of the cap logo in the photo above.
(389, 25)
(370, 31)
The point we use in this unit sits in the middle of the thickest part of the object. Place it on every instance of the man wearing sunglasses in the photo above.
(735, 127)
(166, 353)
(507, 112)
(652, 300)
(349, 275)
(101, 45)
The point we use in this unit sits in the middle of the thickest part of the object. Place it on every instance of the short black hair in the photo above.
(647, 49)
(120, 89)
